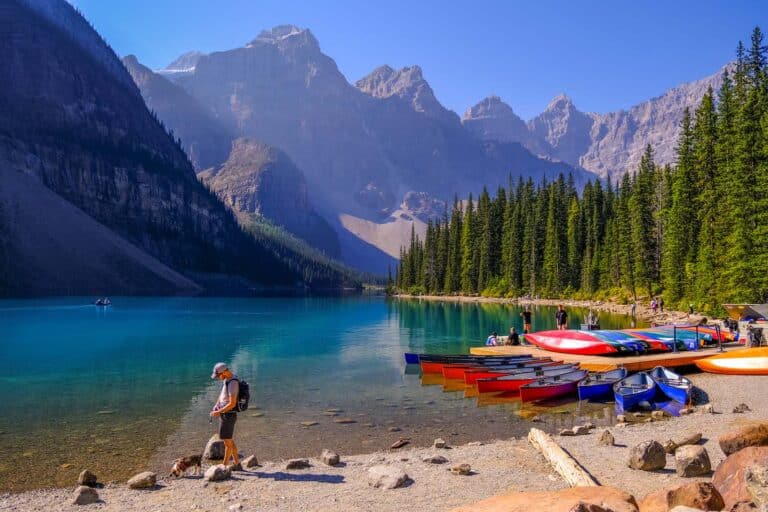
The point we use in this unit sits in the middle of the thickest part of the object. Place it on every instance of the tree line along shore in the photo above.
(694, 233)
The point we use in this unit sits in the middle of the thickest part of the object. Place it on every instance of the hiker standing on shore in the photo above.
(561, 317)
(661, 304)
(226, 410)
(526, 314)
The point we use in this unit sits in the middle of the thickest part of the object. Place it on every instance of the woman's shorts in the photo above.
(227, 427)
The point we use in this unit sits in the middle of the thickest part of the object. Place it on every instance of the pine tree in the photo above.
(469, 250)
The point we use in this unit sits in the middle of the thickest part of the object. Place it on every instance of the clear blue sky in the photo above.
(606, 55)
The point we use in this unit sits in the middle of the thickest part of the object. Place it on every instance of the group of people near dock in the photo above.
(561, 319)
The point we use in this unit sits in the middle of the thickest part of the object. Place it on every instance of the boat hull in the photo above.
(514, 382)
(749, 361)
(472, 376)
(574, 342)
(600, 386)
(672, 385)
(552, 387)
(632, 390)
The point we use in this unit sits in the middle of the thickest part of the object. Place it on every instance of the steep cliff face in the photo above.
(205, 139)
(409, 85)
(79, 127)
(262, 180)
(492, 119)
(564, 128)
(605, 144)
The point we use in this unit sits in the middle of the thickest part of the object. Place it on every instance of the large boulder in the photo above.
(607, 499)
(692, 460)
(217, 473)
(144, 480)
(698, 495)
(751, 435)
(648, 456)
(730, 478)
(214, 449)
(387, 477)
(756, 478)
(84, 495)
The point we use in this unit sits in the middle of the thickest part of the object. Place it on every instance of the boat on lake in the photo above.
(513, 381)
(103, 302)
(552, 387)
(458, 371)
(472, 376)
(436, 365)
(599, 385)
(632, 390)
(671, 384)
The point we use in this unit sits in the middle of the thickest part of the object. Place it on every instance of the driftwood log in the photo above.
(670, 446)
(561, 461)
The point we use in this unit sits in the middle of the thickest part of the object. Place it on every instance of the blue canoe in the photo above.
(599, 385)
(674, 386)
(632, 390)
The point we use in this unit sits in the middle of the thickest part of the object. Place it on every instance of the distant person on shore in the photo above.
(633, 308)
(225, 409)
(690, 308)
(561, 317)
(526, 314)
(492, 340)
(514, 338)
(654, 305)
(661, 304)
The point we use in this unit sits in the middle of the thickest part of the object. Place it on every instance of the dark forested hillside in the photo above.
(94, 194)
(696, 231)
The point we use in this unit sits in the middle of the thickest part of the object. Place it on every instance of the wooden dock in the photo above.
(605, 363)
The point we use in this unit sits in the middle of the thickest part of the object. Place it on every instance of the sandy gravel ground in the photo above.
(499, 467)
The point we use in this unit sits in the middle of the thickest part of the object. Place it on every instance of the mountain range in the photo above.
(368, 149)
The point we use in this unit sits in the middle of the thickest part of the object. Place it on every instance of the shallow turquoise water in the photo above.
(70, 371)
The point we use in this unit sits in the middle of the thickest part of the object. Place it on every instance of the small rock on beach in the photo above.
(387, 477)
(330, 458)
(297, 464)
(84, 495)
(144, 480)
(217, 473)
(648, 456)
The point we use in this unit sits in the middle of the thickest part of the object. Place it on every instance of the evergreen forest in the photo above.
(695, 232)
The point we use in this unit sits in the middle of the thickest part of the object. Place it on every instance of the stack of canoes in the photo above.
(626, 341)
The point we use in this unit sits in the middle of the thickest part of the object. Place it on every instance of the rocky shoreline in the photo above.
(494, 470)
(642, 310)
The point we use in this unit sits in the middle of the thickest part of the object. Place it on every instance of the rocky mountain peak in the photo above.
(409, 85)
(490, 107)
(287, 36)
(185, 62)
(560, 103)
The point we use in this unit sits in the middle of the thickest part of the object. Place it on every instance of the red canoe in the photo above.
(571, 342)
(473, 375)
(514, 381)
(457, 371)
(552, 387)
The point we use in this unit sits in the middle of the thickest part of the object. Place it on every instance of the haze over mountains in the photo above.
(364, 148)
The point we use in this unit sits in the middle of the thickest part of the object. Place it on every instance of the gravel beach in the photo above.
(499, 467)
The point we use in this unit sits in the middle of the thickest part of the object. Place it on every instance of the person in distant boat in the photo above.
(561, 317)
(225, 409)
(591, 318)
(526, 314)
(492, 340)
(514, 338)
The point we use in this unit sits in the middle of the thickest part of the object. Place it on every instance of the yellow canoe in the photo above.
(750, 361)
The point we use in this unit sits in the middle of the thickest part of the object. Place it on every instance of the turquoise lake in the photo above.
(128, 387)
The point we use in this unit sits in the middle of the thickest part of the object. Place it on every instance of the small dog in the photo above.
(180, 466)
